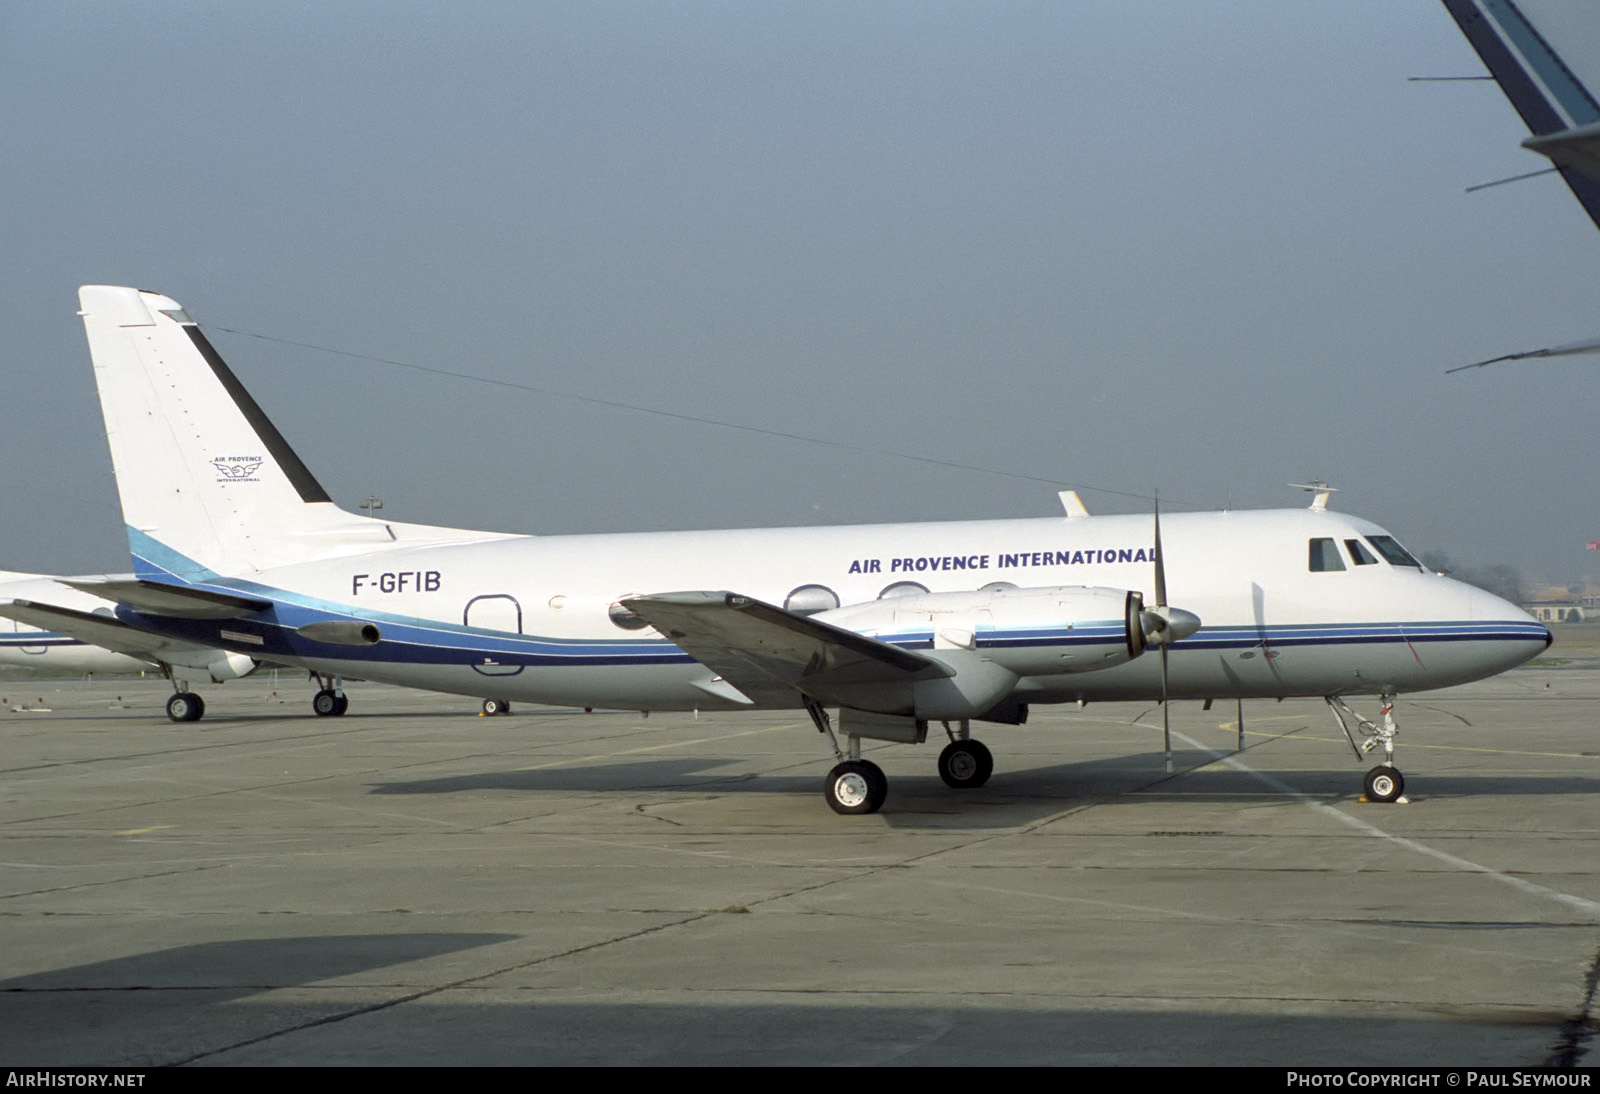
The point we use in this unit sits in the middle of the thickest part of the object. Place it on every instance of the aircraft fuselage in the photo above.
(536, 618)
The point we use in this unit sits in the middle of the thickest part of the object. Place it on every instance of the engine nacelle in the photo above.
(220, 666)
(991, 638)
(1038, 631)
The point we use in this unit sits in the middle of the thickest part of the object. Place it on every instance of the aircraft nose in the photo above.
(1525, 636)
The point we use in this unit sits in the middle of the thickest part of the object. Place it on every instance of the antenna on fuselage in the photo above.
(1319, 488)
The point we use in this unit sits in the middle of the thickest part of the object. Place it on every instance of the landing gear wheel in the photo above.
(964, 765)
(856, 787)
(185, 706)
(329, 703)
(1384, 784)
(491, 707)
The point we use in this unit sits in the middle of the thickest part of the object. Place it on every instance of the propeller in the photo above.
(1164, 625)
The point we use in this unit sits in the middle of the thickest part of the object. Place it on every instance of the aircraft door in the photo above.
(494, 612)
(19, 630)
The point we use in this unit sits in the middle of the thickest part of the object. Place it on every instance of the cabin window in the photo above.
(1359, 554)
(1325, 556)
(811, 599)
(1393, 552)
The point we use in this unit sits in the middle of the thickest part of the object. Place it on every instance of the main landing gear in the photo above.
(491, 707)
(330, 701)
(1383, 783)
(855, 786)
(183, 705)
(964, 764)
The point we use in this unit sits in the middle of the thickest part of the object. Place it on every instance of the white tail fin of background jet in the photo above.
(208, 485)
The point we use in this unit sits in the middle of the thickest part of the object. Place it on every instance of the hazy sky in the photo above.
(1210, 248)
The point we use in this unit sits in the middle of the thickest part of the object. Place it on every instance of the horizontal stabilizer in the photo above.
(765, 651)
(101, 630)
(176, 601)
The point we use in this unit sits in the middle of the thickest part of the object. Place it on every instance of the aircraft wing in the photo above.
(177, 601)
(765, 651)
(100, 630)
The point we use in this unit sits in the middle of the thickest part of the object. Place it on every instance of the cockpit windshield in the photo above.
(1395, 554)
(1359, 554)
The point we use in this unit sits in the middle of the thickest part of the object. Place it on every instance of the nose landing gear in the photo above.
(1383, 783)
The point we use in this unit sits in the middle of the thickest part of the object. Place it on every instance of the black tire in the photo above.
(1384, 784)
(965, 765)
(185, 706)
(341, 706)
(856, 788)
(491, 707)
(326, 703)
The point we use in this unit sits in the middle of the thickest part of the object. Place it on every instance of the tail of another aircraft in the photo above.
(208, 485)
(1541, 55)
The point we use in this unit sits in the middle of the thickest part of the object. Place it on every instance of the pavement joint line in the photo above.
(1522, 884)
(655, 748)
(411, 997)
(115, 881)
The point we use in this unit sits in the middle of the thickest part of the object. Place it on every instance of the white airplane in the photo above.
(34, 649)
(237, 547)
(117, 648)
(121, 649)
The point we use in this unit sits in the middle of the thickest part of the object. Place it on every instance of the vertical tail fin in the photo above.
(208, 485)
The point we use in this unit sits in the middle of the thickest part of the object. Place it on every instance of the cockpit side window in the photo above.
(1393, 552)
(1359, 554)
(1325, 556)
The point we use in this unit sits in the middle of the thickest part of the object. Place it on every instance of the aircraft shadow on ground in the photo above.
(178, 1006)
(251, 965)
(1028, 793)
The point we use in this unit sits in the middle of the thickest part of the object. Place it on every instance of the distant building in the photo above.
(1569, 611)
(1558, 604)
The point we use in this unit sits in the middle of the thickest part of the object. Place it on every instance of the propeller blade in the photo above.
(1161, 563)
(1166, 707)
